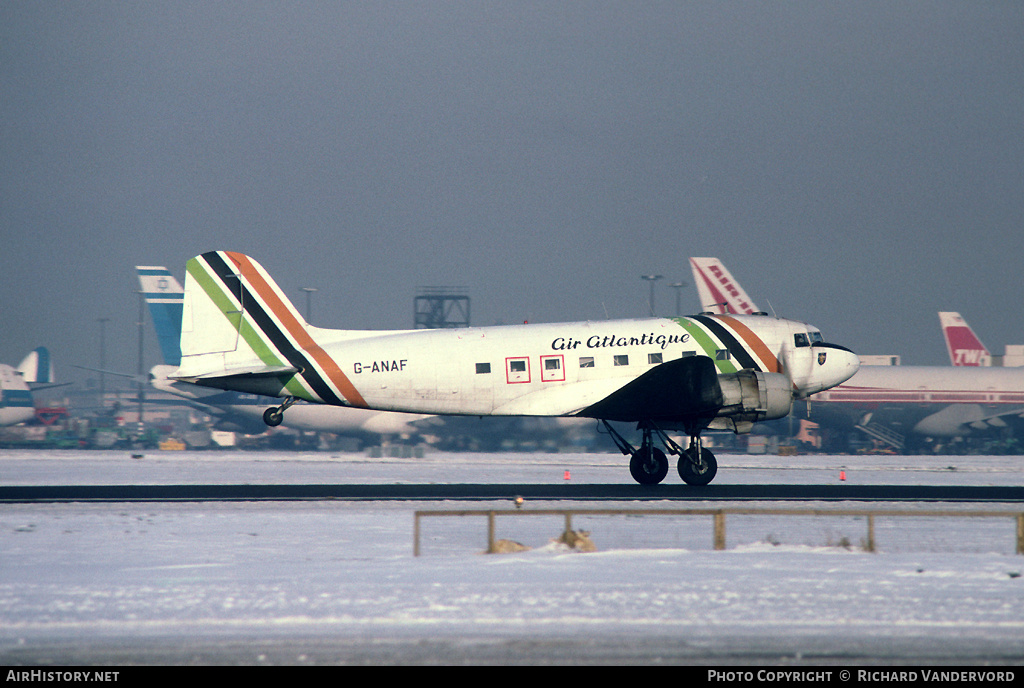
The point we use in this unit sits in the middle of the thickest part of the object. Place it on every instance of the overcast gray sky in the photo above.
(858, 165)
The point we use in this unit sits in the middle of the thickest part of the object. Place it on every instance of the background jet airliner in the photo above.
(243, 412)
(895, 403)
(16, 385)
(240, 332)
(16, 404)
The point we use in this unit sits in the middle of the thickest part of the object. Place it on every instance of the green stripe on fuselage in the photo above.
(707, 344)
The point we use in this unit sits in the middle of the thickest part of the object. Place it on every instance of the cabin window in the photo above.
(801, 339)
(687, 354)
(654, 359)
(552, 371)
(622, 360)
(722, 355)
(586, 361)
(517, 370)
(483, 368)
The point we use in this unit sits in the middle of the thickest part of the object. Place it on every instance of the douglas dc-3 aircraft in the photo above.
(240, 332)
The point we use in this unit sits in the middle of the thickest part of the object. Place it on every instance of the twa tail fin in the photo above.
(164, 295)
(964, 347)
(718, 291)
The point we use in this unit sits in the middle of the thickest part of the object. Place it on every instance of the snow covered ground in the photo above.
(337, 582)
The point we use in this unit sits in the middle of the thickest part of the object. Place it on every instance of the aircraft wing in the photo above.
(998, 420)
(681, 389)
(957, 418)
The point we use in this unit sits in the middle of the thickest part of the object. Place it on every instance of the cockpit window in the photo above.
(816, 338)
(801, 339)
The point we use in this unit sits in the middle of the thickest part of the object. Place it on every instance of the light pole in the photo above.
(309, 303)
(103, 357)
(678, 286)
(651, 279)
(141, 386)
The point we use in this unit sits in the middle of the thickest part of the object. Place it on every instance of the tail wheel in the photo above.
(695, 472)
(273, 416)
(648, 465)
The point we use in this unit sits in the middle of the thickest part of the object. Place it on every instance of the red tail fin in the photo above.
(964, 347)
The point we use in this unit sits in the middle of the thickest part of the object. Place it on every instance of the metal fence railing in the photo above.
(718, 516)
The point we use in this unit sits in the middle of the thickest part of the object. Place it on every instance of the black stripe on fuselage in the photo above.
(251, 306)
(736, 349)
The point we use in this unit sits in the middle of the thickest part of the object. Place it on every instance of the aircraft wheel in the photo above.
(648, 466)
(693, 474)
(273, 416)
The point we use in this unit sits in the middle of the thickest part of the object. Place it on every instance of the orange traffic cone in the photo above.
(842, 475)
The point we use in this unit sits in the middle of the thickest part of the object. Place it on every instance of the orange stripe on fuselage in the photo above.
(296, 330)
(754, 342)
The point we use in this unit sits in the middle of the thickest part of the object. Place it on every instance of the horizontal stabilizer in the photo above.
(254, 371)
(270, 380)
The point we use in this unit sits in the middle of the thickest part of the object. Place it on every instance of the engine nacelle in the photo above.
(750, 397)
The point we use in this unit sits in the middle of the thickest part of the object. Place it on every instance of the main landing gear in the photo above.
(648, 465)
(275, 414)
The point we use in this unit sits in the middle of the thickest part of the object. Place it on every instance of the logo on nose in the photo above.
(821, 358)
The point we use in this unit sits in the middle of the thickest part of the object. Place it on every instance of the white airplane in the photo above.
(16, 385)
(932, 401)
(890, 402)
(240, 332)
(242, 412)
(964, 347)
(16, 404)
(718, 291)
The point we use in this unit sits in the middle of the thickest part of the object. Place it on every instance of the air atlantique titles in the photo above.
(600, 342)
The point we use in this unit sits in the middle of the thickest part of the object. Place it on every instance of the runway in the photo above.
(488, 492)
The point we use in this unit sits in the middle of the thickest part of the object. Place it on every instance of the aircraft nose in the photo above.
(840, 363)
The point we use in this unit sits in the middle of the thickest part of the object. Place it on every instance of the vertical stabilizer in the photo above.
(236, 322)
(216, 337)
(37, 367)
(964, 347)
(718, 291)
(164, 296)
